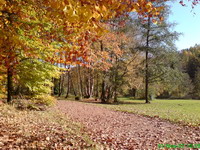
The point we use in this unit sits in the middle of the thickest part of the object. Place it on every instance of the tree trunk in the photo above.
(53, 87)
(9, 85)
(80, 81)
(147, 65)
(133, 92)
(92, 86)
(68, 84)
(103, 92)
(97, 87)
(72, 85)
(60, 86)
(116, 83)
(108, 93)
(90, 83)
(115, 97)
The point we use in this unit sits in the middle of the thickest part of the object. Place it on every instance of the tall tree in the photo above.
(159, 39)
(19, 27)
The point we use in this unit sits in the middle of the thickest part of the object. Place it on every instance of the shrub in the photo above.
(21, 104)
(46, 100)
(77, 98)
(87, 96)
(28, 105)
(38, 103)
(33, 107)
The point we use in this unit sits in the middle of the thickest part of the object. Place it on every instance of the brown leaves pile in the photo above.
(39, 130)
(119, 130)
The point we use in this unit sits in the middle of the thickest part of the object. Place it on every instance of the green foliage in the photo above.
(197, 83)
(190, 59)
(183, 87)
(158, 45)
(37, 75)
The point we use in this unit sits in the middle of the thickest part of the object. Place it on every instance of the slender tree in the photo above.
(159, 39)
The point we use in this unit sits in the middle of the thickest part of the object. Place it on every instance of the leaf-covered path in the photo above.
(120, 130)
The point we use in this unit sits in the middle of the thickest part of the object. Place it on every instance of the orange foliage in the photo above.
(79, 21)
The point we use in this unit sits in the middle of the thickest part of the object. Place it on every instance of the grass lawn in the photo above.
(183, 111)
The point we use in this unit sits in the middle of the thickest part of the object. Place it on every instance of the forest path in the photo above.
(120, 130)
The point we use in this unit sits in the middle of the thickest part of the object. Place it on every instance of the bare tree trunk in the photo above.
(9, 85)
(89, 83)
(92, 85)
(103, 85)
(115, 88)
(60, 86)
(108, 93)
(115, 96)
(116, 83)
(103, 92)
(97, 87)
(133, 92)
(72, 85)
(147, 65)
(52, 88)
(68, 84)
(80, 81)
(87, 86)
(54, 84)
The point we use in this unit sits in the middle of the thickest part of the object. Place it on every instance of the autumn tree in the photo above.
(21, 39)
(57, 31)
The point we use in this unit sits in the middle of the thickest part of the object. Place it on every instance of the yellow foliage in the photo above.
(2, 96)
(44, 100)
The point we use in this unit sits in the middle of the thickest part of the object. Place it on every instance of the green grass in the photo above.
(186, 112)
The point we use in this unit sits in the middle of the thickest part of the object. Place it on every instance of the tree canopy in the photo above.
(62, 32)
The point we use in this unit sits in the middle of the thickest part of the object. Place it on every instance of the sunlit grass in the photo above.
(182, 111)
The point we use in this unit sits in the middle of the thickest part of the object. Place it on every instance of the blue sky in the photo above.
(188, 23)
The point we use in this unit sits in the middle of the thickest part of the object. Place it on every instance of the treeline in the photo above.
(35, 36)
(171, 73)
(135, 57)
(126, 78)
(190, 62)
